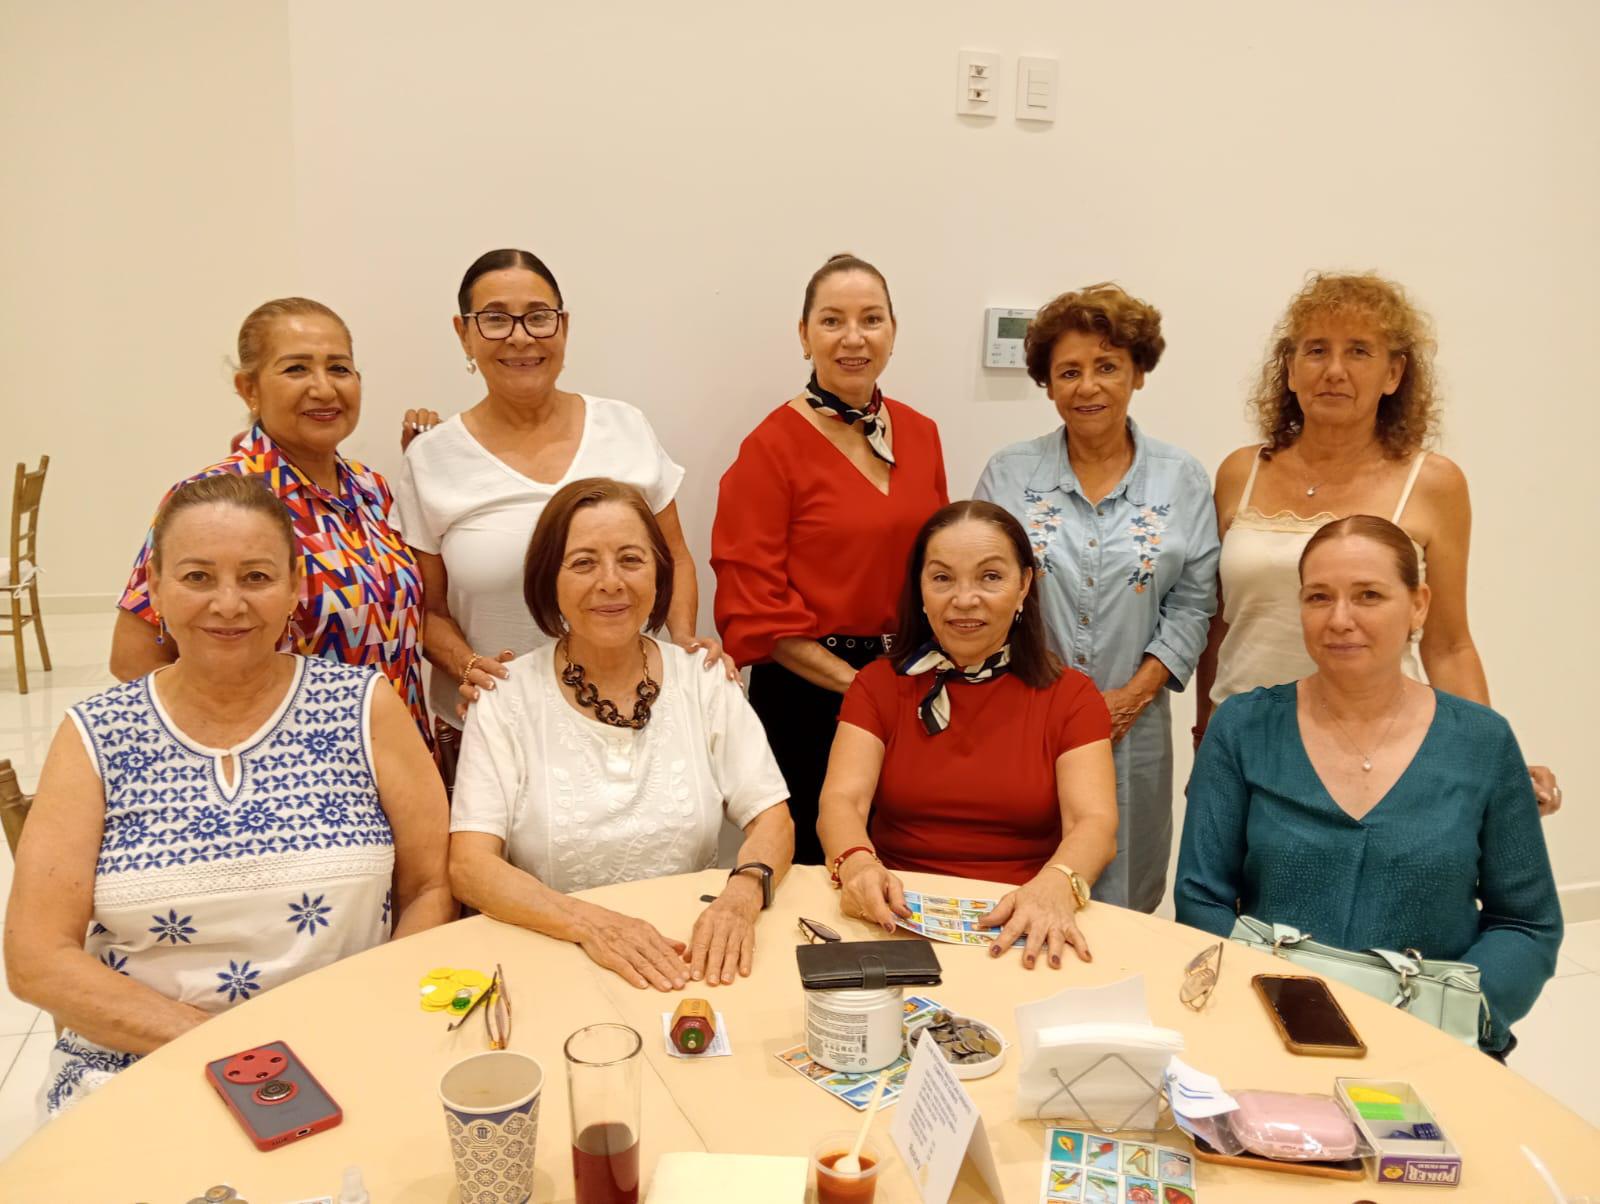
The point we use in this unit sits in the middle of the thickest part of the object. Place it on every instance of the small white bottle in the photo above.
(353, 1190)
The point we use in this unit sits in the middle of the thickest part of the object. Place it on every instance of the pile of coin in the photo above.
(959, 1039)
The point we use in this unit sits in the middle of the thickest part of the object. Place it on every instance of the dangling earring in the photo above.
(1416, 635)
(1016, 618)
(161, 630)
(472, 365)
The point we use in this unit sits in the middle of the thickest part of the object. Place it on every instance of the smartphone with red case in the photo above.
(272, 1095)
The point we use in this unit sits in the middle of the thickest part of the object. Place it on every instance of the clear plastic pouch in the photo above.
(1290, 1128)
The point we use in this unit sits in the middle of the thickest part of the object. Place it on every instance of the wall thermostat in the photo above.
(1002, 337)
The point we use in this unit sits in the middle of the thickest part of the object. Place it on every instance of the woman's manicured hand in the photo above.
(712, 647)
(1044, 912)
(871, 892)
(482, 676)
(415, 423)
(634, 949)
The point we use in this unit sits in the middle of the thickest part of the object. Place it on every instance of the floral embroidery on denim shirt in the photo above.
(1146, 530)
(1044, 520)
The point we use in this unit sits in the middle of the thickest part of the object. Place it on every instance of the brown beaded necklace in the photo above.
(588, 695)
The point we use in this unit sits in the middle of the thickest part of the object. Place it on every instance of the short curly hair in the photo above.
(1103, 309)
(1407, 419)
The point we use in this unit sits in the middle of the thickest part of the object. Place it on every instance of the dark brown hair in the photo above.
(499, 261)
(1379, 531)
(1103, 309)
(1031, 658)
(254, 331)
(842, 262)
(1407, 418)
(224, 489)
(548, 548)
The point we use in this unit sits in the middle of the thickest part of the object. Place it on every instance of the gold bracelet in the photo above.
(467, 672)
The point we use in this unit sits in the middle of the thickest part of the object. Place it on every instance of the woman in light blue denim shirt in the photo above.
(1125, 533)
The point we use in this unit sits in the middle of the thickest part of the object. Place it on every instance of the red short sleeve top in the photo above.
(978, 800)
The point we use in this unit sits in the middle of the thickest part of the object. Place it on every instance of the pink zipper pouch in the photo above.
(1293, 1128)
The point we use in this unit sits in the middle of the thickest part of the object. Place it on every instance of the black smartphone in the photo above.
(1307, 1016)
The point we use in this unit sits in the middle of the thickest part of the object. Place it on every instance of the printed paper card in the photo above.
(1087, 1168)
(856, 1089)
(939, 1129)
(949, 919)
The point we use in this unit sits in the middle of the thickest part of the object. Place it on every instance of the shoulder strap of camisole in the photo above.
(1411, 480)
(1250, 481)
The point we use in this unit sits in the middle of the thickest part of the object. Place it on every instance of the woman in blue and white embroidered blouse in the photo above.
(224, 824)
(1125, 534)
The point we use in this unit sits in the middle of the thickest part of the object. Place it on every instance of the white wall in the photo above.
(683, 169)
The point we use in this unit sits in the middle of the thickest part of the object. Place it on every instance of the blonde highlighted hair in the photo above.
(1408, 418)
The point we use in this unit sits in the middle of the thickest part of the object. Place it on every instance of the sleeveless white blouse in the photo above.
(1260, 572)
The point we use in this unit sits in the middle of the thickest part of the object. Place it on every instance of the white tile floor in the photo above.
(1558, 1051)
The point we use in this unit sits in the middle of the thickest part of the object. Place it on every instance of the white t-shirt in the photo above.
(459, 501)
(580, 803)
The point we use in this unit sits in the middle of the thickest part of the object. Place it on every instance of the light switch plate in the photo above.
(977, 76)
(1038, 81)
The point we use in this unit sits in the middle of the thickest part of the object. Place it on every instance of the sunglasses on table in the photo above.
(1200, 977)
(817, 933)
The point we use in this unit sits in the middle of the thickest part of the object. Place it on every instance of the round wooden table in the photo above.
(159, 1132)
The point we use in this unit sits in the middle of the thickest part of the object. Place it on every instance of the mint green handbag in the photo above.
(1448, 995)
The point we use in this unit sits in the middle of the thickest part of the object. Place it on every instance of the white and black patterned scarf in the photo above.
(874, 421)
(935, 705)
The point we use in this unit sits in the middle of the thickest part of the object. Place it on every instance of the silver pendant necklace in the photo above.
(1366, 758)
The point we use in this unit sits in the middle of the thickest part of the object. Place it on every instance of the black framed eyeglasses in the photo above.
(815, 932)
(1200, 977)
(497, 324)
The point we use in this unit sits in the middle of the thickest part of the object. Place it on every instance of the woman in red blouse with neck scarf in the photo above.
(814, 521)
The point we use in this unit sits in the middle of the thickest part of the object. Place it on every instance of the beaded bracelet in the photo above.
(467, 672)
(833, 874)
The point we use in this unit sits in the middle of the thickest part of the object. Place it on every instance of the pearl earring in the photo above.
(472, 365)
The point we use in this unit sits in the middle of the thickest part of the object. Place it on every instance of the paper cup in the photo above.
(491, 1111)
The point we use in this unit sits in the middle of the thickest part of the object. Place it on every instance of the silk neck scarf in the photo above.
(874, 421)
(935, 705)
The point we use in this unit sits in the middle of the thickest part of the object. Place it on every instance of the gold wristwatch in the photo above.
(1080, 888)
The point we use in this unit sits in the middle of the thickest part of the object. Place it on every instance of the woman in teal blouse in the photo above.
(1368, 809)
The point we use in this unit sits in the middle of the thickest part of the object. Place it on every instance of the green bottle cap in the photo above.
(693, 1038)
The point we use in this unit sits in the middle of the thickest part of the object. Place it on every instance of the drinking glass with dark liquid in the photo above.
(604, 1064)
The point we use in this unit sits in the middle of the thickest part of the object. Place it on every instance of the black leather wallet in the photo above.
(872, 965)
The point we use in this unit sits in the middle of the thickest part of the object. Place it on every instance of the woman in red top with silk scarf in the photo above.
(814, 521)
(971, 750)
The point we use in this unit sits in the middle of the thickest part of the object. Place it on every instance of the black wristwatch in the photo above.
(766, 879)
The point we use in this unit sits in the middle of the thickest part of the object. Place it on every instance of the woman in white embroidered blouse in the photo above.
(609, 757)
(223, 824)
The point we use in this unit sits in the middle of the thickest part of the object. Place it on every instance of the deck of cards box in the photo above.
(1408, 1146)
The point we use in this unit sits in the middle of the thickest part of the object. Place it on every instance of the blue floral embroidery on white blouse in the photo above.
(110, 958)
(388, 904)
(307, 914)
(172, 928)
(238, 980)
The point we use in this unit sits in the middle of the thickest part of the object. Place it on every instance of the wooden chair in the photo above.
(14, 806)
(19, 572)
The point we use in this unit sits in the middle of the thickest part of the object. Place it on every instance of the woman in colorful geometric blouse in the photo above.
(1125, 537)
(225, 823)
(360, 589)
(1366, 808)
(814, 520)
